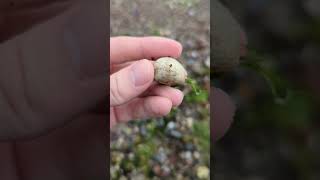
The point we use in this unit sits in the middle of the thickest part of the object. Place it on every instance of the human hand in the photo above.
(133, 93)
(222, 106)
(52, 83)
(52, 72)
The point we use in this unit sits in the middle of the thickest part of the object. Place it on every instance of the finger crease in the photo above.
(142, 49)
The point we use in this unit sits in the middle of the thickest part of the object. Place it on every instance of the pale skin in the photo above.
(52, 123)
(150, 100)
(147, 99)
(62, 135)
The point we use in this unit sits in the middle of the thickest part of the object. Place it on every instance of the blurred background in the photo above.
(269, 140)
(176, 146)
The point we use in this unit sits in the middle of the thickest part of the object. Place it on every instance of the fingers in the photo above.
(116, 67)
(154, 104)
(123, 49)
(222, 112)
(141, 108)
(130, 82)
(175, 95)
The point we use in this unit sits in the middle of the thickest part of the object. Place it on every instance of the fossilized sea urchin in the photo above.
(169, 71)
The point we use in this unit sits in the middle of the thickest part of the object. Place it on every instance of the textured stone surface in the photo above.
(169, 71)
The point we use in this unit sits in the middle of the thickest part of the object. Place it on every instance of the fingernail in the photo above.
(140, 73)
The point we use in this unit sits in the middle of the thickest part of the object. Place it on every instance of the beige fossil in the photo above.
(169, 71)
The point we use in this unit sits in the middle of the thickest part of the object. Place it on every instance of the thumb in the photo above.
(223, 110)
(130, 82)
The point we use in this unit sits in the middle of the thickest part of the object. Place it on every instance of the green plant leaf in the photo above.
(278, 87)
(194, 85)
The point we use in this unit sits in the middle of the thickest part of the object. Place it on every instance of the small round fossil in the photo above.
(169, 71)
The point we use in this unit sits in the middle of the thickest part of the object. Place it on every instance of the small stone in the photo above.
(189, 122)
(189, 147)
(171, 125)
(161, 157)
(188, 112)
(131, 156)
(190, 44)
(194, 54)
(197, 67)
(123, 178)
(207, 62)
(127, 131)
(203, 172)
(187, 156)
(138, 176)
(165, 171)
(117, 157)
(180, 177)
(143, 131)
(113, 172)
(160, 122)
(120, 142)
(191, 12)
(196, 155)
(175, 134)
(157, 170)
(135, 129)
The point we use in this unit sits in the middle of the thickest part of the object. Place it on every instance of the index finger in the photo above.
(124, 49)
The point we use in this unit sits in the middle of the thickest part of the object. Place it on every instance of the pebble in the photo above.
(165, 170)
(194, 54)
(191, 12)
(190, 44)
(207, 62)
(131, 156)
(189, 122)
(161, 157)
(117, 157)
(120, 142)
(171, 125)
(196, 155)
(143, 131)
(175, 134)
(157, 170)
(189, 147)
(203, 172)
(123, 178)
(197, 67)
(160, 122)
(127, 130)
(187, 156)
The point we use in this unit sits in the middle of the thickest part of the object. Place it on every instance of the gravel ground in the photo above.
(176, 146)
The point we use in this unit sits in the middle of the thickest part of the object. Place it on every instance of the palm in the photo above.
(49, 98)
